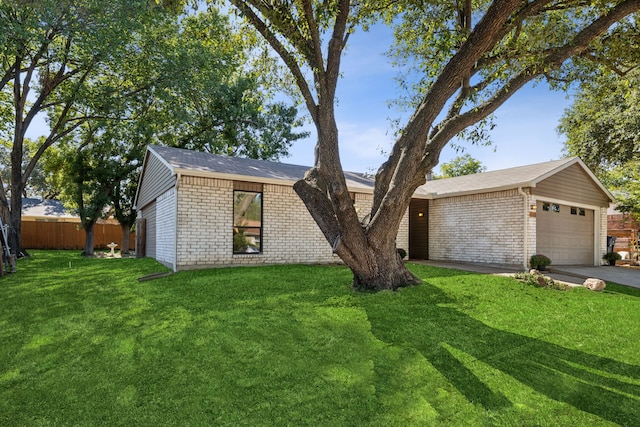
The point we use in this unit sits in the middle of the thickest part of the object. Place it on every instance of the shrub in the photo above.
(612, 257)
(402, 253)
(539, 261)
(541, 281)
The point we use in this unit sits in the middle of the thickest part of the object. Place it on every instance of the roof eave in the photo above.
(249, 178)
(480, 191)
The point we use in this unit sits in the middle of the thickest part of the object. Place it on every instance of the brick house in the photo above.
(197, 210)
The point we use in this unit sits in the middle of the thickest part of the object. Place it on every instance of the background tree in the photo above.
(624, 182)
(185, 82)
(470, 58)
(218, 98)
(48, 45)
(461, 165)
(40, 184)
(602, 127)
(136, 66)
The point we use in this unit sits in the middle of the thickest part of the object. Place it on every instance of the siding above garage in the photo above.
(565, 179)
(572, 183)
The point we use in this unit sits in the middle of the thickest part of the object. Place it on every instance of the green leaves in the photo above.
(603, 128)
(461, 165)
(602, 125)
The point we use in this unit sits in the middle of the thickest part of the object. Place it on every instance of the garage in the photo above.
(565, 233)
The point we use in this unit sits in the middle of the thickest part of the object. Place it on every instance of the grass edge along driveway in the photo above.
(82, 342)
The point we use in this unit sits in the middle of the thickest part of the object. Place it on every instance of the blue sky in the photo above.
(525, 132)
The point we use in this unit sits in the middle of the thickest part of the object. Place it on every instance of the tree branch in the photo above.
(282, 51)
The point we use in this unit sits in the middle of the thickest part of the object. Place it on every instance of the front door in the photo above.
(419, 229)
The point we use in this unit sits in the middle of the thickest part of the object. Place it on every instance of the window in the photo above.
(247, 222)
(553, 207)
(574, 211)
(581, 212)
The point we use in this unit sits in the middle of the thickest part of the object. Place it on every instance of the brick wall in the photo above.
(205, 217)
(166, 227)
(205, 214)
(290, 235)
(485, 228)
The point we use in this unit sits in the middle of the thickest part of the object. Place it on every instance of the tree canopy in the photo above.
(48, 50)
(466, 58)
(126, 74)
(602, 126)
(461, 165)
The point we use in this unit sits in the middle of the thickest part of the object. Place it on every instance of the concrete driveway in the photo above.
(616, 274)
(574, 275)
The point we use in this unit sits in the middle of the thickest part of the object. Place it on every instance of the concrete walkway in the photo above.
(574, 275)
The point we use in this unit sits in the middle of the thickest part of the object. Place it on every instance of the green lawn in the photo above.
(83, 343)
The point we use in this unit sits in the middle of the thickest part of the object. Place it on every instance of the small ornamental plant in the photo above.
(612, 257)
(539, 261)
(402, 253)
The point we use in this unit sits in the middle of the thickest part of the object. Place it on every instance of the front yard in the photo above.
(82, 342)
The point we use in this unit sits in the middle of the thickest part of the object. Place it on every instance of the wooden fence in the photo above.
(69, 235)
(625, 229)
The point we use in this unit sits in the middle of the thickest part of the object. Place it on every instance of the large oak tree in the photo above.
(472, 57)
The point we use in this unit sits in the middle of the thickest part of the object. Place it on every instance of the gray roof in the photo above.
(44, 208)
(190, 162)
(521, 176)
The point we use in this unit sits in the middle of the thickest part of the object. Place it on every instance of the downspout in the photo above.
(175, 233)
(525, 260)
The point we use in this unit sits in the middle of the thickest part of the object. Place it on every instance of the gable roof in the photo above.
(503, 179)
(195, 163)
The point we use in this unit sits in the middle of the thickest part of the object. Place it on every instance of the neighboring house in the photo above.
(626, 229)
(35, 209)
(197, 210)
(47, 224)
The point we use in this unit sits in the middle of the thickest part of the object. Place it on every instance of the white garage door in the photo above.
(565, 233)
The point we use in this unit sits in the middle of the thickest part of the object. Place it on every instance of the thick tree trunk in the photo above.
(373, 259)
(126, 232)
(89, 240)
(370, 253)
(381, 269)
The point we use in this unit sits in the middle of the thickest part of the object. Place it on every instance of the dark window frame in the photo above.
(249, 189)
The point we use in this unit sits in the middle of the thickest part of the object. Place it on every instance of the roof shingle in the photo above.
(182, 160)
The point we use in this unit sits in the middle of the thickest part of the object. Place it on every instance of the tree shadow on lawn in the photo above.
(598, 385)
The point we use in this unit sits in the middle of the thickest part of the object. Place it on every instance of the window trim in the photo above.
(247, 187)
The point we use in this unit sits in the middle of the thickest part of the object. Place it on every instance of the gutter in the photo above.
(175, 233)
(525, 217)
